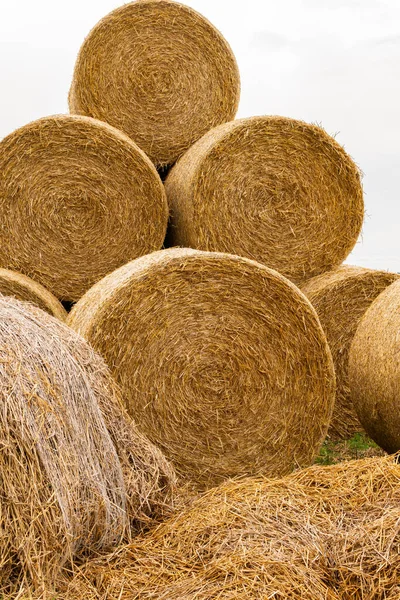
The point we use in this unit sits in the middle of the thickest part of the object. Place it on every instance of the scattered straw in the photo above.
(374, 369)
(24, 288)
(158, 71)
(222, 362)
(273, 189)
(341, 298)
(298, 537)
(78, 199)
(65, 489)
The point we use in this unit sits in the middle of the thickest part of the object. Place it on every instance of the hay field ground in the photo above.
(358, 446)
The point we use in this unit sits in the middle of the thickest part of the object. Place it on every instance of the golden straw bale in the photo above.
(273, 189)
(158, 71)
(374, 369)
(75, 475)
(78, 199)
(259, 538)
(222, 361)
(24, 288)
(341, 297)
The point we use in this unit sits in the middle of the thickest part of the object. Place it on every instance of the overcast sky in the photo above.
(332, 62)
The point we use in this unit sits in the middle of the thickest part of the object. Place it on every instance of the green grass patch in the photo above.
(358, 446)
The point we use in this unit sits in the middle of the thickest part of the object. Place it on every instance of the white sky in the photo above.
(333, 62)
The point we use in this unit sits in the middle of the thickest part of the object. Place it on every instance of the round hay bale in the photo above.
(341, 298)
(158, 71)
(374, 369)
(78, 199)
(24, 288)
(273, 189)
(222, 361)
(73, 469)
(260, 538)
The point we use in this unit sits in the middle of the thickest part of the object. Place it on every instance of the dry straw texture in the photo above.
(24, 288)
(75, 475)
(374, 369)
(341, 298)
(273, 189)
(158, 71)
(222, 362)
(322, 533)
(78, 199)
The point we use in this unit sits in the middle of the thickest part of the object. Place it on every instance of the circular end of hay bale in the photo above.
(24, 288)
(273, 189)
(222, 362)
(158, 71)
(341, 298)
(374, 369)
(78, 199)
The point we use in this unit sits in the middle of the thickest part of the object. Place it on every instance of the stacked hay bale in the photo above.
(158, 71)
(65, 471)
(273, 189)
(259, 538)
(222, 362)
(374, 369)
(78, 199)
(24, 288)
(341, 298)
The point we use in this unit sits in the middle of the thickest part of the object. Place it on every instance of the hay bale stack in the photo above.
(72, 469)
(24, 288)
(78, 199)
(273, 189)
(259, 538)
(374, 370)
(341, 298)
(158, 71)
(222, 362)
